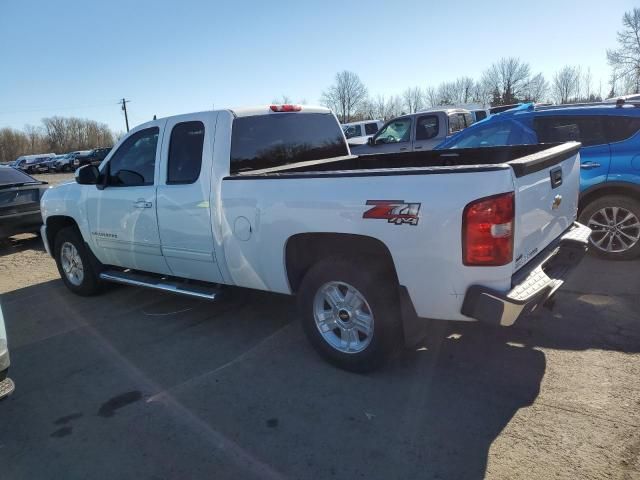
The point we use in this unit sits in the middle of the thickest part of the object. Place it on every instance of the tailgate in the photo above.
(547, 185)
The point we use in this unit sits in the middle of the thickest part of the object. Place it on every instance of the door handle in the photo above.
(142, 203)
(589, 165)
(402, 149)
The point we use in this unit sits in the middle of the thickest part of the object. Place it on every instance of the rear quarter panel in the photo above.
(260, 215)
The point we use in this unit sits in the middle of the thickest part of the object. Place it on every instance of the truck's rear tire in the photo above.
(75, 263)
(615, 221)
(349, 311)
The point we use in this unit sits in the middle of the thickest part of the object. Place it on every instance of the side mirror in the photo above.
(87, 175)
(370, 142)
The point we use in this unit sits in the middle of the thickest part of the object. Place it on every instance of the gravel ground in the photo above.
(139, 384)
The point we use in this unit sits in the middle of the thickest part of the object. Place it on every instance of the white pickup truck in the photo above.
(270, 198)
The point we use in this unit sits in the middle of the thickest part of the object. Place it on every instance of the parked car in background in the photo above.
(610, 162)
(92, 157)
(278, 203)
(6, 384)
(65, 164)
(357, 133)
(419, 131)
(634, 97)
(19, 202)
(34, 163)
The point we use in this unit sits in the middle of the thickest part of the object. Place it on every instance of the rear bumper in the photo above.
(23, 222)
(532, 285)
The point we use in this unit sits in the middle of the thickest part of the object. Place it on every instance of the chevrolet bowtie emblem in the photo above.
(557, 200)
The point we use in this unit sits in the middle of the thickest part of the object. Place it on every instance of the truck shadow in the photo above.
(243, 368)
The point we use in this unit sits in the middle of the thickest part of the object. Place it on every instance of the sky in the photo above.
(78, 58)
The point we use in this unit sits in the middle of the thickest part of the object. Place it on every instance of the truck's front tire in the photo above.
(349, 310)
(75, 264)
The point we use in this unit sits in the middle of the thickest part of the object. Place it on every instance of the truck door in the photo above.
(427, 134)
(122, 215)
(184, 192)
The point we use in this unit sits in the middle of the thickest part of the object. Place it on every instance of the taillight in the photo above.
(487, 231)
(285, 108)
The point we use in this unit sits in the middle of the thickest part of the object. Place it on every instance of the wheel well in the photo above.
(57, 223)
(306, 249)
(630, 190)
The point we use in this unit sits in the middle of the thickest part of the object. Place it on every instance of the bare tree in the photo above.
(625, 60)
(345, 95)
(508, 77)
(284, 99)
(565, 85)
(413, 99)
(431, 96)
(537, 89)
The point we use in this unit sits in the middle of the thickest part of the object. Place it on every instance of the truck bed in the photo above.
(523, 159)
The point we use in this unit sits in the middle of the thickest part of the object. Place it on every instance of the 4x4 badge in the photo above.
(397, 212)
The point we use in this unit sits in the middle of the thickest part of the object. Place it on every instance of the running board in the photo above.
(156, 282)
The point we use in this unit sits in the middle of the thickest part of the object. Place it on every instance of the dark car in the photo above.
(94, 157)
(65, 164)
(19, 202)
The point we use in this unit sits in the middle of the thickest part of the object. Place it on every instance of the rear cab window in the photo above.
(273, 140)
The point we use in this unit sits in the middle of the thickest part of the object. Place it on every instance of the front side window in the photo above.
(618, 129)
(185, 152)
(133, 164)
(370, 128)
(396, 131)
(266, 141)
(351, 131)
(427, 127)
(586, 129)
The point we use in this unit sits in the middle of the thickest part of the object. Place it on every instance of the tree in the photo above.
(284, 99)
(510, 78)
(537, 89)
(565, 84)
(625, 60)
(345, 95)
(431, 96)
(413, 99)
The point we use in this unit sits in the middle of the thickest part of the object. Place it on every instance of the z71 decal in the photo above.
(398, 212)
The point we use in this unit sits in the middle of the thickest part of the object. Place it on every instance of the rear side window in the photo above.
(370, 128)
(427, 127)
(266, 141)
(480, 115)
(618, 129)
(185, 152)
(586, 129)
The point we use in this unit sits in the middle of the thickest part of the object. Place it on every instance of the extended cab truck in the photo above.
(271, 198)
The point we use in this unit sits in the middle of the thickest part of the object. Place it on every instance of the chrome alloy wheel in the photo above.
(343, 317)
(71, 263)
(615, 229)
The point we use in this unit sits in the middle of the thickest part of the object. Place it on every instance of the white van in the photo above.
(33, 163)
(357, 133)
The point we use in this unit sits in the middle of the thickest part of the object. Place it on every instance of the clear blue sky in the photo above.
(79, 57)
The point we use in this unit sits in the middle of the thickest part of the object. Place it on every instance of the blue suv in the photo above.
(610, 162)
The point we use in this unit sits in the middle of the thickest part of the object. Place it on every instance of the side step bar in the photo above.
(197, 290)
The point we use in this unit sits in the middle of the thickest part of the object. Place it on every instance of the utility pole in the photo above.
(124, 108)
